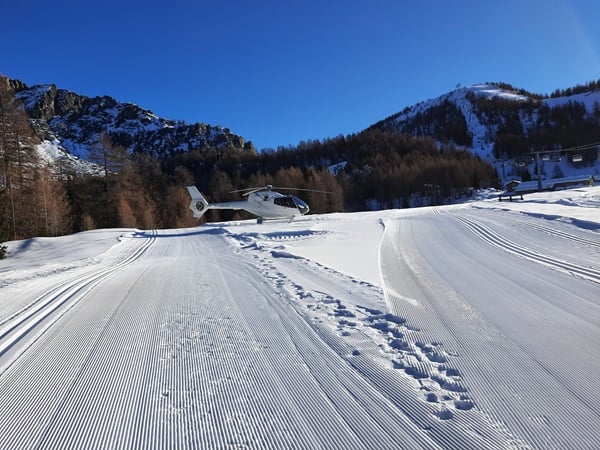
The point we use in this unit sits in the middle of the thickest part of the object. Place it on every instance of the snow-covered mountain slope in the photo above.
(53, 154)
(479, 130)
(469, 326)
(475, 117)
(75, 122)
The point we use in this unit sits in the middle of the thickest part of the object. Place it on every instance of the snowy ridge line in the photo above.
(65, 296)
(488, 235)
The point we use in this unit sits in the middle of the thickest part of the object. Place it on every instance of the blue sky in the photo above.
(278, 72)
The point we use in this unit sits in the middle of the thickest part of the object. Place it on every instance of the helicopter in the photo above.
(263, 202)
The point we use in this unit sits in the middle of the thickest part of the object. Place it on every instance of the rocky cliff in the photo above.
(76, 123)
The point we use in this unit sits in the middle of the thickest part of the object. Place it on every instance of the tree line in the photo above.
(567, 125)
(33, 199)
(374, 169)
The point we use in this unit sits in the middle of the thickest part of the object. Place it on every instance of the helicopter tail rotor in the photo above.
(199, 204)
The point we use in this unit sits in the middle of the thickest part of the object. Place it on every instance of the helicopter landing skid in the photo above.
(260, 220)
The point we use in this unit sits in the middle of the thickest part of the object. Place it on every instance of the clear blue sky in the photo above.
(281, 71)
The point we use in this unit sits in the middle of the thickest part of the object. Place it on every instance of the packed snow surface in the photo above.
(469, 326)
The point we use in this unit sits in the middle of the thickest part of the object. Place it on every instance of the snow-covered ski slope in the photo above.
(471, 326)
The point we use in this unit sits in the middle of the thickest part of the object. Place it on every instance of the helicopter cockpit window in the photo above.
(302, 207)
(287, 202)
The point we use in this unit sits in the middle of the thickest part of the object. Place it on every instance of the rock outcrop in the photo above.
(77, 122)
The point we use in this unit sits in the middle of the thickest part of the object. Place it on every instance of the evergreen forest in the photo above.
(373, 169)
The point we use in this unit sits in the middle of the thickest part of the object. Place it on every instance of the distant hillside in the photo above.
(74, 123)
(70, 162)
(501, 123)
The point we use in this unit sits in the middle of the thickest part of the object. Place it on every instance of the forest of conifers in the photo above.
(374, 169)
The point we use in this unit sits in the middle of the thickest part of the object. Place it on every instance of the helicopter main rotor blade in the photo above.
(244, 190)
(268, 187)
(300, 189)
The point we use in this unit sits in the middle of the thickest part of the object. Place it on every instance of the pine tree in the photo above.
(19, 164)
(114, 160)
(125, 215)
(51, 196)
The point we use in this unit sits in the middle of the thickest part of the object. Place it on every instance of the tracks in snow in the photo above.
(595, 243)
(501, 317)
(188, 348)
(417, 374)
(493, 238)
(26, 325)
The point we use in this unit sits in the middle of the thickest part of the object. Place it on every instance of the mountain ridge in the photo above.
(466, 97)
(500, 123)
(477, 118)
(493, 120)
(75, 122)
(435, 152)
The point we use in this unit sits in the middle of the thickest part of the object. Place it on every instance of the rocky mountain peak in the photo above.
(77, 121)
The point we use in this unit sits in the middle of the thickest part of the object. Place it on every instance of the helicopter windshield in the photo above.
(289, 201)
(302, 207)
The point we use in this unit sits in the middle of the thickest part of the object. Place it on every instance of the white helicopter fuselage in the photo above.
(264, 203)
(273, 205)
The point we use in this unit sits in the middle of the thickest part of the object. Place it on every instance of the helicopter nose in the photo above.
(302, 207)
